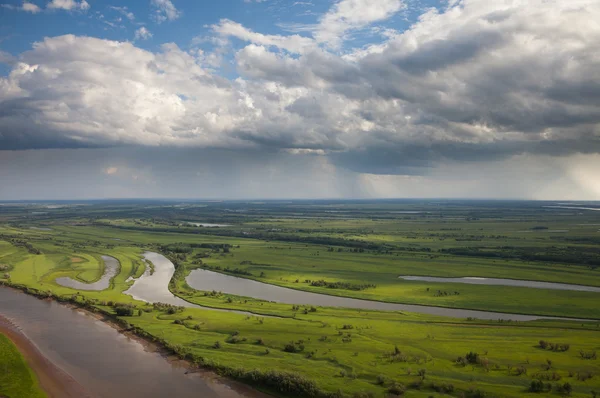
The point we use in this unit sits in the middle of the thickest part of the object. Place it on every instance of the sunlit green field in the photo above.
(343, 350)
(17, 380)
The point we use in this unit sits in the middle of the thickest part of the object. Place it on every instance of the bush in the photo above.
(293, 347)
(472, 357)
(445, 388)
(124, 311)
(536, 386)
(475, 393)
(587, 355)
(397, 389)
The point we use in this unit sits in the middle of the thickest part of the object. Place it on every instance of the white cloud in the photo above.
(347, 15)
(142, 33)
(479, 81)
(26, 6)
(69, 5)
(30, 7)
(294, 43)
(125, 12)
(165, 11)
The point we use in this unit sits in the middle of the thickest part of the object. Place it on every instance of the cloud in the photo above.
(477, 82)
(6, 58)
(125, 12)
(26, 6)
(346, 15)
(110, 170)
(69, 5)
(293, 43)
(142, 33)
(165, 11)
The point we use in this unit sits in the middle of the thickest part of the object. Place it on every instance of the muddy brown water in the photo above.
(102, 360)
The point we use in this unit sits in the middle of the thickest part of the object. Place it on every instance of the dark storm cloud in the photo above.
(480, 81)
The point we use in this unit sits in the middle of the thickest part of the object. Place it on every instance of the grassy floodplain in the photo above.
(347, 246)
(16, 378)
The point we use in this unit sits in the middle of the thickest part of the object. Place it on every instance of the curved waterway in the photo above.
(154, 287)
(111, 267)
(102, 360)
(471, 280)
(201, 279)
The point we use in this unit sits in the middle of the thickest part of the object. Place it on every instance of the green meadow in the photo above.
(17, 380)
(358, 253)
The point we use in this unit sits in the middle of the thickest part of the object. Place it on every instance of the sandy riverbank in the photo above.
(53, 380)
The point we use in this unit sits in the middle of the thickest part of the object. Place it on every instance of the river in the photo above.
(105, 362)
(201, 279)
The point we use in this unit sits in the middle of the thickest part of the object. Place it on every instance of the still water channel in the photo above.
(504, 282)
(111, 268)
(208, 280)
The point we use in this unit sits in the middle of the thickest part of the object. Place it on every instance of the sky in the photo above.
(278, 99)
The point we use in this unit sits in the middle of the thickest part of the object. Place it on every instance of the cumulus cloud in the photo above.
(142, 33)
(293, 43)
(26, 6)
(165, 10)
(346, 15)
(479, 81)
(69, 5)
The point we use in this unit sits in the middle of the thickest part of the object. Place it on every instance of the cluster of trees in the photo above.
(168, 308)
(187, 248)
(587, 355)
(294, 346)
(237, 271)
(342, 285)
(234, 338)
(22, 243)
(122, 309)
(559, 347)
(539, 386)
(444, 293)
(306, 309)
(563, 254)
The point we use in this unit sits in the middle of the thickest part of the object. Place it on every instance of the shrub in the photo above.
(521, 370)
(397, 389)
(124, 311)
(587, 355)
(293, 347)
(475, 393)
(381, 380)
(536, 386)
(472, 357)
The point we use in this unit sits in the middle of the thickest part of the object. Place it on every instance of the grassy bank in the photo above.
(17, 380)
